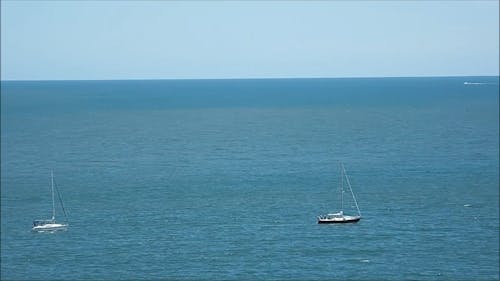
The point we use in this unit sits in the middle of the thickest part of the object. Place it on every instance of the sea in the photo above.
(225, 179)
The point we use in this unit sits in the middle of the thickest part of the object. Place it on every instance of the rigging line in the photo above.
(60, 200)
(350, 188)
(172, 174)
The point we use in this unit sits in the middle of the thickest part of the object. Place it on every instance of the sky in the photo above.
(99, 40)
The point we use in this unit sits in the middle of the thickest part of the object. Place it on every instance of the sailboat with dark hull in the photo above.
(51, 225)
(340, 217)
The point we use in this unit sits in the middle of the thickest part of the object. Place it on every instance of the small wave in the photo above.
(364, 260)
(467, 205)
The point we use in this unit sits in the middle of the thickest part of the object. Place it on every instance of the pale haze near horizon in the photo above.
(80, 40)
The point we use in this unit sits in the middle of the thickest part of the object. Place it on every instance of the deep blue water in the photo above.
(223, 179)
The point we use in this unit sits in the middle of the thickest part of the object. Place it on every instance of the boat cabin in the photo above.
(42, 222)
(338, 215)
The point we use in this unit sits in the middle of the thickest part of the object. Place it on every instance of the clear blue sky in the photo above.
(58, 40)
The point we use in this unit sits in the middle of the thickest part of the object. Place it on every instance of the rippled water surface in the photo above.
(223, 179)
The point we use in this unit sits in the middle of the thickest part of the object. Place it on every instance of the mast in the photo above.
(341, 189)
(53, 204)
(350, 188)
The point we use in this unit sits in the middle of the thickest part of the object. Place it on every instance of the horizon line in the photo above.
(246, 78)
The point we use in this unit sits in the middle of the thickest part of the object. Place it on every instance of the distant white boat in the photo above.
(51, 225)
(339, 216)
(474, 83)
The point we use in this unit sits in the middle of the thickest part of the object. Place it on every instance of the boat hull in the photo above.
(339, 220)
(50, 227)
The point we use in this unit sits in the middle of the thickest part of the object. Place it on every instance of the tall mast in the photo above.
(53, 204)
(350, 188)
(341, 189)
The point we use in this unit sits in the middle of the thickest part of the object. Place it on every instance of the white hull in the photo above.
(342, 219)
(50, 227)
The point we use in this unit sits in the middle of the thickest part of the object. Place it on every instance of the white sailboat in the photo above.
(340, 217)
(50, 225)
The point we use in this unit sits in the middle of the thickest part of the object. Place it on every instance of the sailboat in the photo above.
(340, 217)
(51, 225)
